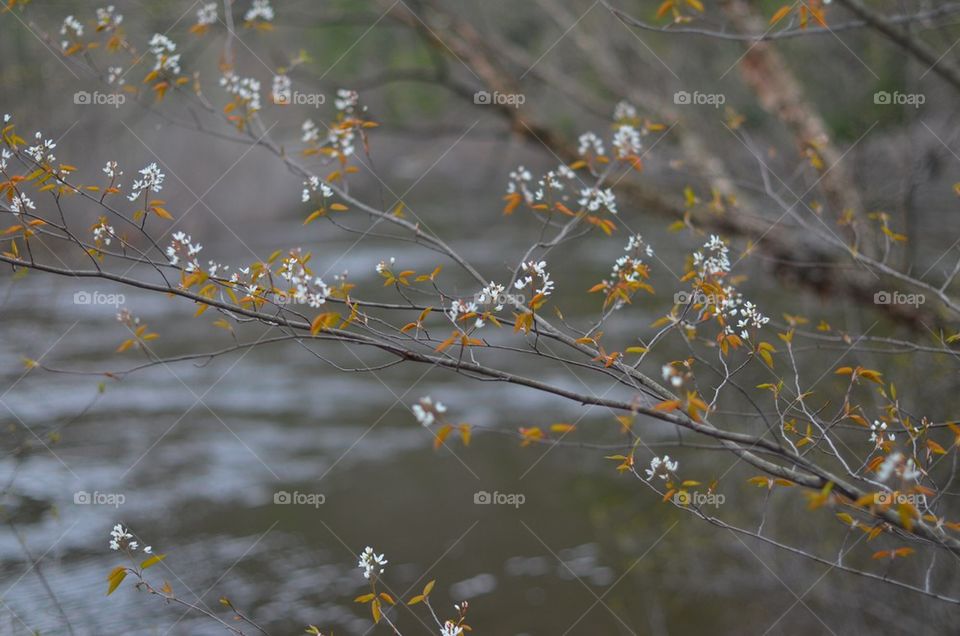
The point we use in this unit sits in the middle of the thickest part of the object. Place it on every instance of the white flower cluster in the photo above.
(115, 75)
(259, 10)
(519, 179)
(590, 145)
(21, 203)
(595, 198)
(42, 151)
(304, 288)
(671, 375)
(311, 133)
(151, 179)
(341, 140)
(281, 92)
(713, 260)
(426, 410)
(552, 181)
(371, 563)
(492, 294)
(71, 28)
(743, 311)
(627, 142)
(894, 464)
(459, 308)
(207, 14)
(162, 48)
(182, 246)
(340, 137)
(384, 266)
(102, 233)
(4, 156)
(624, 112)
(628, 267)
(120, 538)
(112, 170)
(346, 101)
(879, 434)
(108, 18)
(314, 184)
(538, 269)
(717, 259)
(246, 88)
(661, 467)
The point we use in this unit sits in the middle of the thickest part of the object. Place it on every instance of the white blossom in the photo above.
(108, 18)
(538, 269)
(879, 434)
(624, 111)
(661, 467)
(310, 132)
(627, 142)
(103, 233)
(152, 179)
(42, 151)
(207, 14)
(119, 537)
(590, 143)
(717, 259)
(115, 75)
(112, 170)
(71, 28)
(371, 562)
(451, 629)
(346, 100)
(21, 203)
(162, 48)
(519, 180)
(595, 198)
(259, 10)
(426, 410)
(492, 294)
(182, 246)
(246, 88)
(314, 184)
